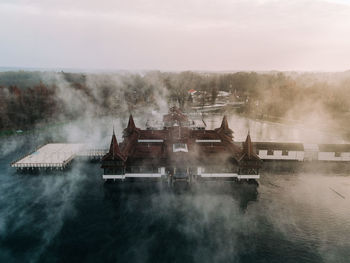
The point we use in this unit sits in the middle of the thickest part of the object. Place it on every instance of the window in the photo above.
(180, 147)
(269, 152)
(337, 154)
(285, 152)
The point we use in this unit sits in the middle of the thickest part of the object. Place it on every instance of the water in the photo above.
(74, 217)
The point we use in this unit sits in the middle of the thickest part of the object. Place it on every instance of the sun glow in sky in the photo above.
(176, 35)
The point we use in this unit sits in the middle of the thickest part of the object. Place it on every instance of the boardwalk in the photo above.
(54, 155)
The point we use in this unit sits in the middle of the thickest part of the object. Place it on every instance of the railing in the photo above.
(131, 175)
(93, 152)
(223, 175)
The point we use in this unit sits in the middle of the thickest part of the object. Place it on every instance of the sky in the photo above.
(219, 35)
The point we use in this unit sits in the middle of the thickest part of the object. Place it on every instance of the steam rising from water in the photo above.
(275, 132)
(57, 216)
(293, 215)
(33, 211)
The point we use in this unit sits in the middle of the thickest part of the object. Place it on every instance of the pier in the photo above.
(183, 150)
(56, 156)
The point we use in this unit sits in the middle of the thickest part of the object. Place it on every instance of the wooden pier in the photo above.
(56, 156)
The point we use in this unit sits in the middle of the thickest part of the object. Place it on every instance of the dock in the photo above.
(56, 156)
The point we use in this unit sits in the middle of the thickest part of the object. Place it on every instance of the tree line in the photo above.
(29, 98)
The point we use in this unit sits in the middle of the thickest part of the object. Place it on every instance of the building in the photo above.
(179, 148)
(334, 152)
(280, 151)
(302, 152)
(180, 151)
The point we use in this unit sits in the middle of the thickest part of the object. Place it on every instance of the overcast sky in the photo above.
(176, 35)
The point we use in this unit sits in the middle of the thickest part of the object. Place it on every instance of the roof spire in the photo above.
(249, 159)
(131, 123)
(224, 123)
(248, 146)
(130, 128)
(224, 128)
(114, 148)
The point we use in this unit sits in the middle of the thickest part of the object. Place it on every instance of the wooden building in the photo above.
(180, 152)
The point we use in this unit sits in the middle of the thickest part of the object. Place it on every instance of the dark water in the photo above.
(74, 217)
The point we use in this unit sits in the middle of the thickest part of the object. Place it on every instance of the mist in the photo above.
(306, 107)
(292, 214)
(74, 71)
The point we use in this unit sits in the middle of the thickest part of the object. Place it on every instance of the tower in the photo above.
(113, 162)
(249, 162)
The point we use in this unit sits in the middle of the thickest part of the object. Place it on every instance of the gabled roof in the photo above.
(114, 152)
(224, 124)
(248, 146)
(224, 129)
(152, 146)
(130, 128)
(248, 152)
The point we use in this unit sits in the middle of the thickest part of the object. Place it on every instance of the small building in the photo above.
(334, 152)
(280, 151)
(192, 92)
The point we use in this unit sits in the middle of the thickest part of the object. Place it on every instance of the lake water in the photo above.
(75, 217)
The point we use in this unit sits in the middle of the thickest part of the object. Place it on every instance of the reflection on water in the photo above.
(242, 193)
(74, 217)
(269, 131)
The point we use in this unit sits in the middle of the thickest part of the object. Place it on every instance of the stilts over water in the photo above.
(180, 149)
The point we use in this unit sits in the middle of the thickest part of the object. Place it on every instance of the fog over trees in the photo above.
(28, 99)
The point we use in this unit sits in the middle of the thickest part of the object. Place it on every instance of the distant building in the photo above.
(192, 91)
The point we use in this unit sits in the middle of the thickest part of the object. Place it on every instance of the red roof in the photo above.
(248, 153)
(114, 152)
(224, 129)
(156, 146)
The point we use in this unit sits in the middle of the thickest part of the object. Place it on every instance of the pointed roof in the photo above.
(224, 123)
(248, 152)
(130, 128)
(224, 128)
(114, 151)
(131, 123)
(248, 146)
(130, 134)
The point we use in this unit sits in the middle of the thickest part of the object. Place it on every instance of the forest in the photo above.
(30, 99)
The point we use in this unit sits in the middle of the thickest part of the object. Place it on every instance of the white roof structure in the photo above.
(56, 155)
(180, 147)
